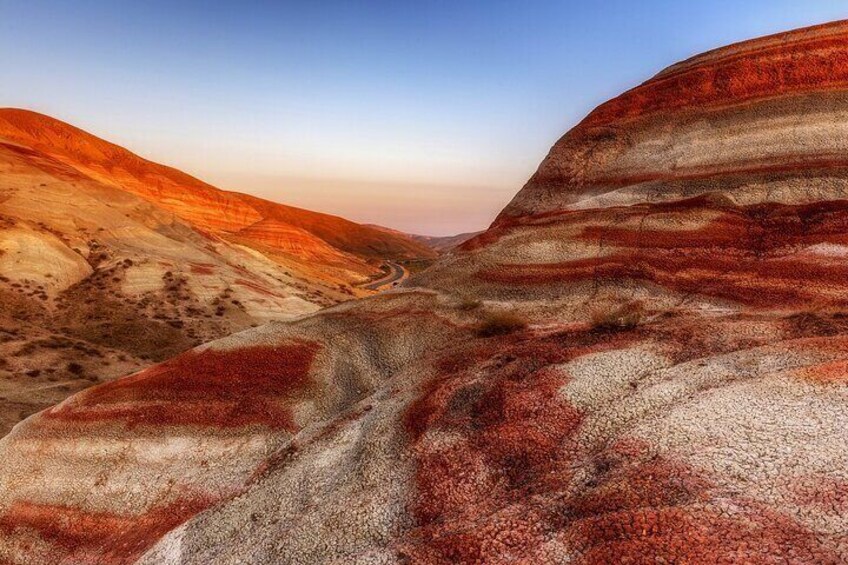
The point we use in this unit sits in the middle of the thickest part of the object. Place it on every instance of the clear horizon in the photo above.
(422, 118)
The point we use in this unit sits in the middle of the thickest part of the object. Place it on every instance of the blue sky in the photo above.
(423, 116)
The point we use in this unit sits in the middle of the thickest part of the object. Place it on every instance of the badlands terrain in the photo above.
(109, 263)
(643, 360)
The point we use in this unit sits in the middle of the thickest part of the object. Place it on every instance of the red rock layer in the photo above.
(766, 255)
(298, 243)
(90, 537)
(207, 388)
(812, 63)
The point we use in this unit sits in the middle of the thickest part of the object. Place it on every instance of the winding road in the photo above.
(397, 273)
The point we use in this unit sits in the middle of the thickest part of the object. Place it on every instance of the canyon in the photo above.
(643, 359)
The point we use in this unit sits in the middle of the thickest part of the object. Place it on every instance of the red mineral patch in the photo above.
(633, 507)
(202, 269)
(821, 493)
(256, 287)
(508, 438)
(643, 505)
(102, 538)
(250, 385)
(834, 372)
(494, 443)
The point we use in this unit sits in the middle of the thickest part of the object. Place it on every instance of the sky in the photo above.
(422, 116)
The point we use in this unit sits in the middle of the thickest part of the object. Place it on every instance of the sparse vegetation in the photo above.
(500, 323)
(618, 317)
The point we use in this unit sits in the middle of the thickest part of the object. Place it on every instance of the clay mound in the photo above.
(199, 203)
(715, 122)
(632, 370)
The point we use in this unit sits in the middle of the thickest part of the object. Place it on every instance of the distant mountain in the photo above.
(109, 262)
(439, 244)
(444, 243)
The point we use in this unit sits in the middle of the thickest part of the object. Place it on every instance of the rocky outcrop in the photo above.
(644, 359)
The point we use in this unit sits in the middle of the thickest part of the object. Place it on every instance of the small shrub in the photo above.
(500, 323)
(75, 368)
(625, 317)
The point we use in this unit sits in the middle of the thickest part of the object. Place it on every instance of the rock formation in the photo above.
(644, 360)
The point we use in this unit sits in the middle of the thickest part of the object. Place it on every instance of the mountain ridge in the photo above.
(107, 161)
